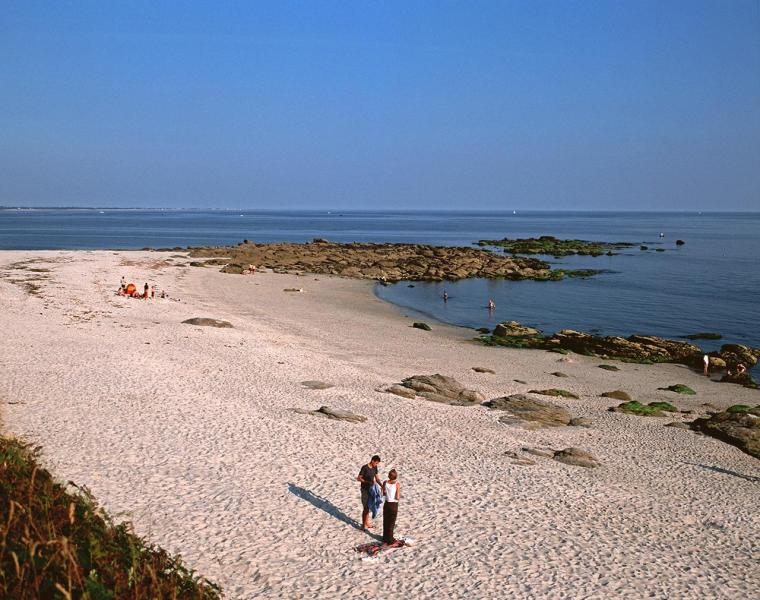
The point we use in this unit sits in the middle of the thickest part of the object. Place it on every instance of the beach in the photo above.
(188, 432)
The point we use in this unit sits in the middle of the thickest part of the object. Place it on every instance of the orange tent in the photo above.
(131, 289)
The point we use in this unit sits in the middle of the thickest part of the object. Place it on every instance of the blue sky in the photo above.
(565, 104)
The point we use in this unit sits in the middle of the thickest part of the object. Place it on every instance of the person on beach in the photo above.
(146, 290)
(445, 296)
(391, 495)
(367, 478)
(706, 361)
(123, 283)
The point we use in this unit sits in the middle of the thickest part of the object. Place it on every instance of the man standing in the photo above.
(368, 477)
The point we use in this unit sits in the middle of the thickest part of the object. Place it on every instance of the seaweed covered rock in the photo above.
(514, 329)
(440, 388)
(679, 388)
(635, 347)
(741, 429)
(617, 395)
(653, 409)
(552, 246)
(554, 392)
(576, 457)
(206, 322)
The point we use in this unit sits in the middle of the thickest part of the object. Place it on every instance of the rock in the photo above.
(608, 367)
(677, 425)
(529, 412)
(741, 429)
(332, 413)
(617, 395)
(421, 325)
(703, 335)
(581, 422)
(316, 385)
(520, 381)
(206, 322)
(679, 388)
(483, 330)
(643, 247)
(402, 391)
(576, 457)
(680, 242)
(296, 290)
(543, 453)
(514, 329)
(560, 374)
(635, 348)
(483, 370)
(554, 392)
(733, 354)
(440, 388)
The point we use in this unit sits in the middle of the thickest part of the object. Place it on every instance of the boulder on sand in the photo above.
(440, 388)
(337, 414)
(617, 395)
(513, 329)
(528, 412)
(741, 429)
(206, 322)
(576, 457)
(400, 390)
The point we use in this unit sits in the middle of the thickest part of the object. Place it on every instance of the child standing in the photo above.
(391, 495)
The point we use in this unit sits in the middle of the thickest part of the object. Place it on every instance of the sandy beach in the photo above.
(188, 432)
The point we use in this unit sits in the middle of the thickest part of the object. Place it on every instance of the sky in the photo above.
(543, 105)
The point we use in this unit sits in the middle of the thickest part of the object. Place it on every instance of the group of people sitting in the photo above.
(130, 290)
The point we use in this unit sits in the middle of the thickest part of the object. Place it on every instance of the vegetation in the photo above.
(513, 341)
(651, 409)
(552, 246)
(680, 388)
(743, 408)
(57, 544)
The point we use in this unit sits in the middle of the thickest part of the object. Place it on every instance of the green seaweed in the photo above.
(609, 367)
(704, 335)
(651, 409)
(679, 388)
(550, 245)
(555, 392)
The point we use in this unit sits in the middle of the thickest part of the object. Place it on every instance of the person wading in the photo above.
(367, 478)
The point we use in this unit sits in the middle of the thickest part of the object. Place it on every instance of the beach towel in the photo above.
(375, 499)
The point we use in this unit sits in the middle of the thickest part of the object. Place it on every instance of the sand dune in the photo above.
(188, 431)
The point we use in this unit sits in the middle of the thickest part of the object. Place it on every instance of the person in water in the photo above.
(391, 495)
(491, 304)
(445, 296)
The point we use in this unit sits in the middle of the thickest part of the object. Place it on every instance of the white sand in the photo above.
(186, 431)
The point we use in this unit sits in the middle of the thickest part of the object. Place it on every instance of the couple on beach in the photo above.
(374, 492)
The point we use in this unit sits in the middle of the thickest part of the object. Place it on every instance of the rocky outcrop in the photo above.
(513, 329)
(554, 392)
(483, 370)
(635, 347)
(530, 413)
(741, 429)
(384, 262)
(337, 414)
(576, 457)
(400, 390)
(206, 322)
(550, 245)
(440, 388)
(734, 354)
(421, 325)
(617, 395)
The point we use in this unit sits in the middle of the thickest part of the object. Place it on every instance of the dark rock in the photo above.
(643, 247)
(609, 367)
(679, 388)
(653, 409)
(678, 425)
(542, 453)
(520, 381)
(554, 392)
(741, 429)
(581, 422)
(529, 412)
(576, 457)
(735, 354)
(703, 335)
(483, 370)
(421, 325)
(617, 395)
(680, 242)
(483, 330)
(206, 322)
(634, 348)
(560, 374)
(440, 388)
(316, 385)
(337, 414)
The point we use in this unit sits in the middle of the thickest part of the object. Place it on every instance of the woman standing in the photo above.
(391, 495)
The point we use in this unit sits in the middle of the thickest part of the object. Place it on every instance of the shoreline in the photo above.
(190, 431)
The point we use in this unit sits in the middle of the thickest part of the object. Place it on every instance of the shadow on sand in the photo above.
(751, 478)
(325, 505)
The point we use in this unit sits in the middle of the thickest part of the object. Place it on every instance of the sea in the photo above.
(711, 283)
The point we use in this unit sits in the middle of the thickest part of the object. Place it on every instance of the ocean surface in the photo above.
(711, 283)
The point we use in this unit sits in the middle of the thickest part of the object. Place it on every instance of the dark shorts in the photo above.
(365, 499)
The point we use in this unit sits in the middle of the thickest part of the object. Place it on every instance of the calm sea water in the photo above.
(712, 283)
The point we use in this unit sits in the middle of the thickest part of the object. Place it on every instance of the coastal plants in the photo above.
(743, 408)
(637, 408)
(552, 246)
(58, 544)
